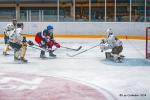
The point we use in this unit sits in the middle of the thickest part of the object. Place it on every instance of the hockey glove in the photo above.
(30, 43)
(57, 45)
(24, 40)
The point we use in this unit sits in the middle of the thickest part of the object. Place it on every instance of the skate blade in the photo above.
(50, 57)
(20, 62)
(119, 61)
(6, 54)
(116, 61)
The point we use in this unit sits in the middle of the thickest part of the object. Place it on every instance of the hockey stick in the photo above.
(38, 48)
(60, 46)
(82, 51)
(68, 48)
(46, 50)
(72, 48)
(35, 46)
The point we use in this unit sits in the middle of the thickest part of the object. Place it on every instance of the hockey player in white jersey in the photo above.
(108, 42)
(18, 43)
(113, 43)
(7, 31)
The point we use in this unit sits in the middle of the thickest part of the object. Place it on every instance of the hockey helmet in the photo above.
(19, 25)
(109, 30)
(49, 27)
(14, 21)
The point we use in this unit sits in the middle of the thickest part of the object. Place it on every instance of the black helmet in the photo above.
(14, 19)
(19, 25)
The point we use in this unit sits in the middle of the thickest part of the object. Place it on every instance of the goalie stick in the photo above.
(82, 51)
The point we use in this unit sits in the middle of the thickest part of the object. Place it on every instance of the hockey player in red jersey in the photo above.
(45, 40)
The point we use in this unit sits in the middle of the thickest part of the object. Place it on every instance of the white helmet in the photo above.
(109, 32)
(10, 27)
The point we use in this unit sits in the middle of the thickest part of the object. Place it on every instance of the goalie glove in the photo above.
(103, 41)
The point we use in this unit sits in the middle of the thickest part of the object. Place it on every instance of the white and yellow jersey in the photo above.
(15, 36)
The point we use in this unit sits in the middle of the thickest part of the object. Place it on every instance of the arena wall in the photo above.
(85, 28)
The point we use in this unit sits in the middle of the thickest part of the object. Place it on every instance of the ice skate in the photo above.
(51, 54)
(23, 60)
(5, 53)
(16, 59)
(42, 55)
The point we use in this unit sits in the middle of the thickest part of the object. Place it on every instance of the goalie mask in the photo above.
(109, 32)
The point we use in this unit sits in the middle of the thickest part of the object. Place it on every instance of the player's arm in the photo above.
(52, 42)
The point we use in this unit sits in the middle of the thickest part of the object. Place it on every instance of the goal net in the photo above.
(148, 43)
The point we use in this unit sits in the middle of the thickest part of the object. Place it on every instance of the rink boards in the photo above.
(135, 30)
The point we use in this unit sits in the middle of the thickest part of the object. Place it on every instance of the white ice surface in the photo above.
(130, 77)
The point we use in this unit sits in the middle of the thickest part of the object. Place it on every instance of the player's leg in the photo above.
(16, 48)
(116, 53)
(50, 45)
(108, 55)
(42, 54)
(16, 54)
(6, 48)
(38, 40)
(23, 52)
(51, 54)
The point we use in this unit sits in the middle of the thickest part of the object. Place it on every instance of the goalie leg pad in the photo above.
(117, 50)
(113, 57)
(117, 58)
(108, 55)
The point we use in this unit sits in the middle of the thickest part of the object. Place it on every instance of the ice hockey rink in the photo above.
(88, 76)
